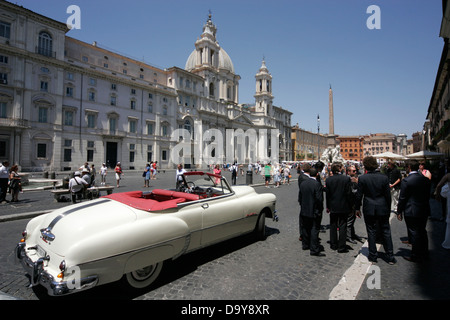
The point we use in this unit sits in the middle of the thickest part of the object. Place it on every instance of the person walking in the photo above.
(15, 185)
(218, 172)
(155, 170)
(338, 201)
(147, 175)
(118, 171)
(301, 177)
(352, 237)
(286, 175)
(4, 179)
(311, 207)
(395, 179)
(414, 206)
(375, 197)
(103, 173)
(234, 172)
(267, 174)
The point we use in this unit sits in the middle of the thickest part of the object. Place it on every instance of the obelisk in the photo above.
(330, 103)
(331, 141)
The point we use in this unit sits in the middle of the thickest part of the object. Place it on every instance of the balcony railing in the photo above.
(10, 122)
(45, 52)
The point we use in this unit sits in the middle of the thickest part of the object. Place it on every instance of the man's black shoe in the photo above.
(319, 254)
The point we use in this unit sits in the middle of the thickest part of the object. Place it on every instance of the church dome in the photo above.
(224, 61)
(208, 37)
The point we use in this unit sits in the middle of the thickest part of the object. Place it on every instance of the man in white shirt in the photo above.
(4, 176)
(178, 177)
(77, 185)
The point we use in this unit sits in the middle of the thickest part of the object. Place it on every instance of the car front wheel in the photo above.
(144, 277)
(260, 229)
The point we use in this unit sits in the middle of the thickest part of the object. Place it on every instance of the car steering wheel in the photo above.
(190, 187)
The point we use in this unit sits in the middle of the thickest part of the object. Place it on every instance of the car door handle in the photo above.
(205, 206)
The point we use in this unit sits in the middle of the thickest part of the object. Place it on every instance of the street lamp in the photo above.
(318, 137)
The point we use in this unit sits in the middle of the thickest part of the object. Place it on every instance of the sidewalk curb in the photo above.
(25, 215)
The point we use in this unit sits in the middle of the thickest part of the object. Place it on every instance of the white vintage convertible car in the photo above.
(128, 236)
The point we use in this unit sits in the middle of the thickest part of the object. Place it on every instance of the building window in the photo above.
(165, 111)
(90, 151)
(164, 130)
(41, 150)
(112, 125)
(43, 115)
(44, 86)
(3, 59)
(69, 92)
(133, 126)
(188, 126)
(211, 90)
(113, 86)
(91, 119)
(92, 82)
(67, 155)
(3, 78)
(91, 95)
(164, 155)
(150, 107)
(5, 29)
(149, 128)
(3, 106)
(113, 100)
(45, 44)
(68, 118)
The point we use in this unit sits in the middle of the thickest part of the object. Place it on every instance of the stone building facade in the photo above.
(64, 102)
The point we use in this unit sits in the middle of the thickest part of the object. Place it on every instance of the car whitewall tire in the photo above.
(144, 277)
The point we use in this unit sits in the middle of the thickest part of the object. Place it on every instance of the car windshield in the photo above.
(204, 181)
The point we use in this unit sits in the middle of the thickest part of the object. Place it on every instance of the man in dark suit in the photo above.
(414, 205)
(338, 196)
(302, 177)
(375, 195)
(311, 207)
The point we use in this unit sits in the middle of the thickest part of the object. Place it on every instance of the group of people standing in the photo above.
(10, 182)
(150, 173)
(346, 193)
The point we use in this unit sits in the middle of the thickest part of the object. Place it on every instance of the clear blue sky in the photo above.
(382, 79)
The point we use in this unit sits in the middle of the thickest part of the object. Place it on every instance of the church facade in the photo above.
(64, 102)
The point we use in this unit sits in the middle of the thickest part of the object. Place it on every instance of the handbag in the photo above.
(445, 191)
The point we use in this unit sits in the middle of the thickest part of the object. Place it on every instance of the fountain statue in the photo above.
(331, 155)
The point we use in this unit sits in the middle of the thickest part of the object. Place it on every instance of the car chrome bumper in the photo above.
(39, 276)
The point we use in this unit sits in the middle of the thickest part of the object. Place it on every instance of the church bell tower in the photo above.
(263, 95)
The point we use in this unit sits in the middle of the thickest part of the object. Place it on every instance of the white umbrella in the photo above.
(389, 155)
(425, 154)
